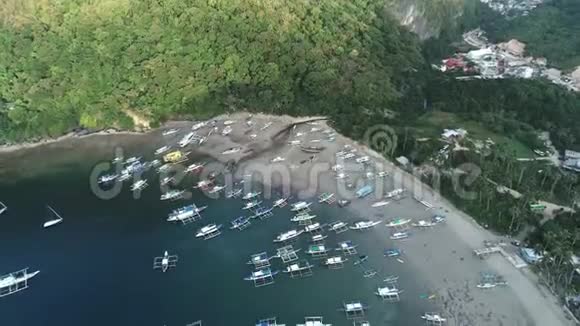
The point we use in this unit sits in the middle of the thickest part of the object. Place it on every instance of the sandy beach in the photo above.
(441, 256)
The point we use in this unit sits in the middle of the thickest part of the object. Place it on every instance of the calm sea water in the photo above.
(96, 267)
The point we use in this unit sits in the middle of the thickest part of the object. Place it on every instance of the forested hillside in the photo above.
(90, 63)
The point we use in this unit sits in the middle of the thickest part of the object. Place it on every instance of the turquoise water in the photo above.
(96, 267)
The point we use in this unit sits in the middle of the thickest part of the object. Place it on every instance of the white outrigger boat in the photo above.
(317, 250)
(423, 224)
(3, 208)
(433, 318)
(172, 195)
(299, 270)
(169, 132)
(354, 310)
(251, 204)
(313, 321)
(15, 281)
(301, 205)
(187, 139)
(107, 178)
(364, 225)
(165, 181)
(339, 227)
(302, 218)
(398, 222)
(394, 193)
(234, 193)
(485, 286)
(195, 167)
(318, 238)
(139, 185)
(165, 262)
(132, 160)
(198, 125)
(227, 130)
(388, 293)
(326, 198)
(162, 150)
(335, 262)
(232, 150)
(186, 214)
(277, 159)
(240, 223)
(381, 203)
(251, 195)
(312, 227)
(289, 235)
(362, 159)
(272, 321)
(260, 260)
(399, 235)
(216, 189)
(263, 212)
(203, 184)
(280, 202)
(209, 231)
(262, 277)
(53, 218)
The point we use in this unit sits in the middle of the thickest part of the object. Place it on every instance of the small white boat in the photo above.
(386, 292)
(349, 155)
(382, 174)
(185, 213)
(341, 175)
(216, 189)
(172, 195)
(338, 226)
(251, 195)
(162, 150)
(294, 142)
(364, 225)
(362, 159)
(165, 262)
(234, 193)
(165, 181)
(139, 185)
(302, 217)
(280, 202)
(3, 208)
(107, 178)
(399, 235)
(266, 126)
(312, 227)
(229, 122)
(486, 285)
(286, 236)
(169, 132)
(187, 139)
(124, 176)
(326, 197)
(231, 151)
(227, 130)
(333, 261)
(132, 160)
(433, 318)
(209, 231)
(423, 224)
(117, 159)
(203, 184)
(313, 321)
(300, 206)
(251, 204)
(318, 238)
(380, 203)
(198, 125)
(398, 222)
(16, 281)
(394, 193)
(164, 168)
(53, 218)
(277, 159)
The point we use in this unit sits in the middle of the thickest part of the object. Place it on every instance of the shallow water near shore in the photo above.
(96, 267)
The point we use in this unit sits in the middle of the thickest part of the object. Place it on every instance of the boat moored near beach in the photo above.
(423, 224)
(251, 195)
(301, 269)
(186, 214)
(335, 262)
(433, 318)
(139, 185)
(269, 322)
(52, 217)
(299, 206)
(317, 251)
(252, 204)
(398, 222)
(339, 227)
(280, 202)
(399, 235)
(364, 225)
(107, 178)
(234, 193)
(169, 132)
(354, 310)
(162, 150)
(393, 252)
(364, 191)
(389, 293)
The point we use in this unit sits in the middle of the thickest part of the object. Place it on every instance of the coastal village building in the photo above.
(513, 47)
(571, 161)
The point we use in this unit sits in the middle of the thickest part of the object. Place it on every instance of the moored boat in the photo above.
(251, 204)
(380, 203)
(15, 282)
(433, 318)
(399, 235)
(423, 224)
(234, 193)
(169, 132)
(107, 178)
(162, 150)
(289, 235)
(251, 195)
(209, 231)
(195, 167)
(300, 206)
(280, 202)
(52, 218)
(185, 213)
(364, 225)
(302, 217)
(398, 222)
(139, 185)
(240, 223)
(187, 139)
(364, 191)
(172, 195)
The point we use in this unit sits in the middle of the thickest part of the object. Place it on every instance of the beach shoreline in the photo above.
(441, 257)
